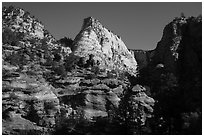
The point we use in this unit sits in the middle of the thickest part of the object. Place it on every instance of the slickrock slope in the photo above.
(106, 47)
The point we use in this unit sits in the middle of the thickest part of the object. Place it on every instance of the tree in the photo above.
(10, 37)
(67, 42)
(182, 15)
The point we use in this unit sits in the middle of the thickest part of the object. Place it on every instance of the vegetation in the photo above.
(11, 37)
(67, 42)
(174, 105)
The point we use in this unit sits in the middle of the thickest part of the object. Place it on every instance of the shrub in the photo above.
(96, 70)
(70, 122)
(10, 37)
(133, 111)
(16, 59)
(67, 42)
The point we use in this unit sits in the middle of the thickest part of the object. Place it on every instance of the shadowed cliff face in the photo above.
(166, 52)
(174, 75)
(190, 63)
(181, 39)
(142, 57)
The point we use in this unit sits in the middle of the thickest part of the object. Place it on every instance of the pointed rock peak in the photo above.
(107, 48)
(90, 21)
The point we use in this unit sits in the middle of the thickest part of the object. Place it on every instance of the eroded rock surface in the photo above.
(41, 94)
(174, 73)
(143, 57)
(107, 48)
(90, 85)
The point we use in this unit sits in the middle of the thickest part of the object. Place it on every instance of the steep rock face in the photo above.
(166, 52)
(143, 57)
(190, 62)
(179, 51)
(106, 47)
(175, 48)
(175, 73)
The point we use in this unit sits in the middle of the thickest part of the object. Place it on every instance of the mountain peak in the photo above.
(90, 18)
(20, 20)
(91, 22)
(19, 26)
(107, 47)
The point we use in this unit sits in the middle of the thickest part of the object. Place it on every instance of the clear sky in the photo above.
(140, 25)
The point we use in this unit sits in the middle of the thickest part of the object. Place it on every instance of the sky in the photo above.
(140, 24)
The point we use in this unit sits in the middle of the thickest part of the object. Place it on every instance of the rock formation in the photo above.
(40, 95)
(90, 85)
(174, 72)
(106, 47)
(143, 57)
(21, 29)
(28, 101)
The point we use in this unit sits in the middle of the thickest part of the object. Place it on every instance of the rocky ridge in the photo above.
(22, 29)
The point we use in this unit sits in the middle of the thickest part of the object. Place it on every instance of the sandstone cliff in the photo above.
(174, 73)
(143, 57)
(106, 47)
(41, 96)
